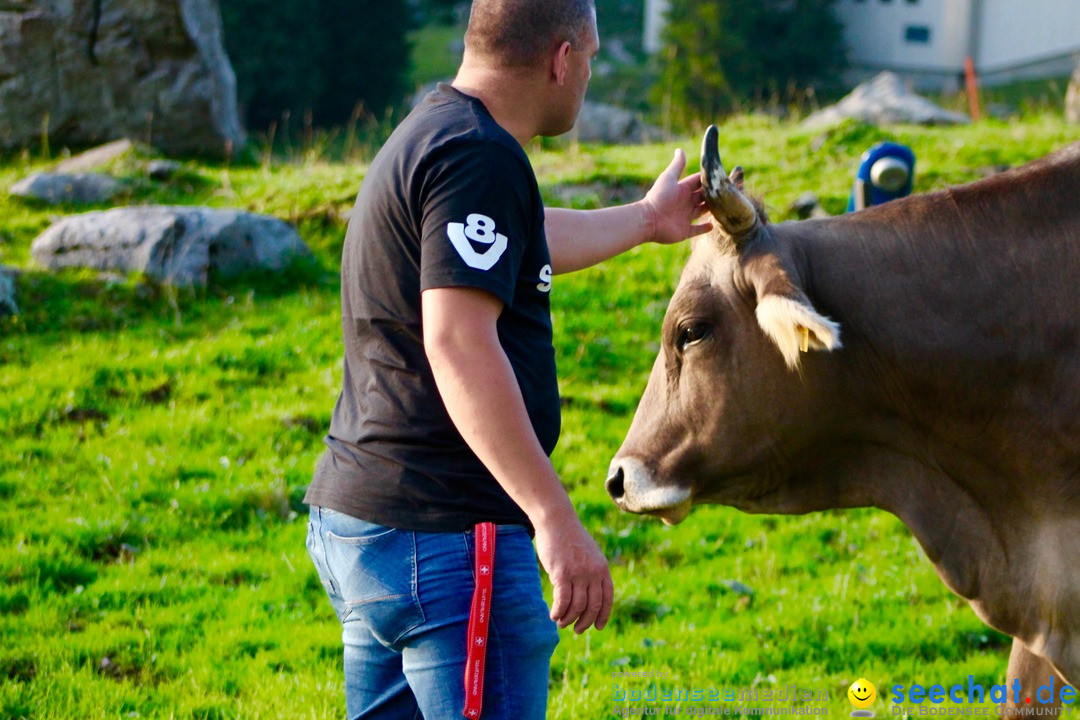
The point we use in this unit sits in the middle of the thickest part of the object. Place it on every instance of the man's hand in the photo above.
(582, 238)
(672, 205)
(578, 572)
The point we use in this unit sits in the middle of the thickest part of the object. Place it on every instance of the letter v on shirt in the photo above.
(480, 229)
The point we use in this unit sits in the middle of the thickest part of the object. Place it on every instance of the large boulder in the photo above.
(7, 293)
(885, 100)
(173, 245)
(1072, 96)
(600, 123)
(78, 188)
(93, 71)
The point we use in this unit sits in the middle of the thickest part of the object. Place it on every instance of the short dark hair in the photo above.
(518, 32)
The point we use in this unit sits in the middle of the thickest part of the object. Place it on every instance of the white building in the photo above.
(655, 12)
(928, 40)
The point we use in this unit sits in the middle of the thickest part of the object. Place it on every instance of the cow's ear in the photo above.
(784, 311)
(796, 327)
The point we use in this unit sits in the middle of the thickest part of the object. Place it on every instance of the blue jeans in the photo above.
(403, 599)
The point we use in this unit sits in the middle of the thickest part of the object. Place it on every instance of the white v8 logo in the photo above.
(480, 229)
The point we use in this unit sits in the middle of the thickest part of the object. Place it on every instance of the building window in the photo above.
(917, 34)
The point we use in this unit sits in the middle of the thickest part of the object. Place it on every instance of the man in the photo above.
(450, 407)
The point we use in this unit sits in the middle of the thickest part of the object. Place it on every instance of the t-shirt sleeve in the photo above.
(477, 220)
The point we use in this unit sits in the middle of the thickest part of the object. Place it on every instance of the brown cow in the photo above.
(922, 357)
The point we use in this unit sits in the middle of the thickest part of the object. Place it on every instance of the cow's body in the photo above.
(953, 402)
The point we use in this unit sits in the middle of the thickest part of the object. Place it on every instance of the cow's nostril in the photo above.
(614, 483)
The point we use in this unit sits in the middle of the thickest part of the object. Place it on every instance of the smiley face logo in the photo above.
(862, 693)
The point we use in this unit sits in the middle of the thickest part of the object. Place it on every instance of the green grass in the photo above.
(1020, 97)
(155, 445)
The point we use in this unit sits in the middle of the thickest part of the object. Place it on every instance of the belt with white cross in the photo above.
(479, 619)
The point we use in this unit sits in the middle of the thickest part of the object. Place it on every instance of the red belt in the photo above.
(479, 619)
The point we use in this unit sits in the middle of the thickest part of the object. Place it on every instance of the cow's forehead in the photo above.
(709, 262)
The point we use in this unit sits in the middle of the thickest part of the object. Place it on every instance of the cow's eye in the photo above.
(691, 334)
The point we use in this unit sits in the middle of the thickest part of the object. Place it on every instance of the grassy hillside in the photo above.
(155, 444)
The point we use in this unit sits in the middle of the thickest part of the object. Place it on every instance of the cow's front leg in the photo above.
(1032, 671)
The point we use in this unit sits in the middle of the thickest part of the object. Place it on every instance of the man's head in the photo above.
(522, 33)
(552, 39)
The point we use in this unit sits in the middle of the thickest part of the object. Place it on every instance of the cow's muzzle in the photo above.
(634, 489)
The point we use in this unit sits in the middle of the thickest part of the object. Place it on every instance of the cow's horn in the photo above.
(735, 213)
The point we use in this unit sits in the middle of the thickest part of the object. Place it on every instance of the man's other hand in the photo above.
(673, 205)
(578, 572)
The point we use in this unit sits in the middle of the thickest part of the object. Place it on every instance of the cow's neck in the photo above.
(1018, 568)
(1017, 565)
(937, 421)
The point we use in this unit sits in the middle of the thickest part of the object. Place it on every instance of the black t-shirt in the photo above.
(450, 201)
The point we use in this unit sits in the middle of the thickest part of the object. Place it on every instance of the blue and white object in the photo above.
(886, 172)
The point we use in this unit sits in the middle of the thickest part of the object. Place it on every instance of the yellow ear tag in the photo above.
(804, 345)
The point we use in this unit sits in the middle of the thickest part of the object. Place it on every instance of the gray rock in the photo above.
(97, 71)
(97, 157)
(1072, 96)
(173, 245)
(615, 48)
(56, 188)
(1001, 111)
(597, 122)
(7, 293)
(885, 100)
(988, 170)
(162, 169)
(424, 90)
(600, 123)
(807, 206)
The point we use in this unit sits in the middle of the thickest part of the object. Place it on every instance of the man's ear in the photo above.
(784, 311)
(560, 62)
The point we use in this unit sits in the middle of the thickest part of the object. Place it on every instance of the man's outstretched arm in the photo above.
(482, 395)
(579, 239)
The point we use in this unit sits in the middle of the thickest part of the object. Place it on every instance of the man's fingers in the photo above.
(560, 601)
(678, 164)
(608, 593)
(592, 608)
(691, 182)
(578, 604)
(601, 597)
